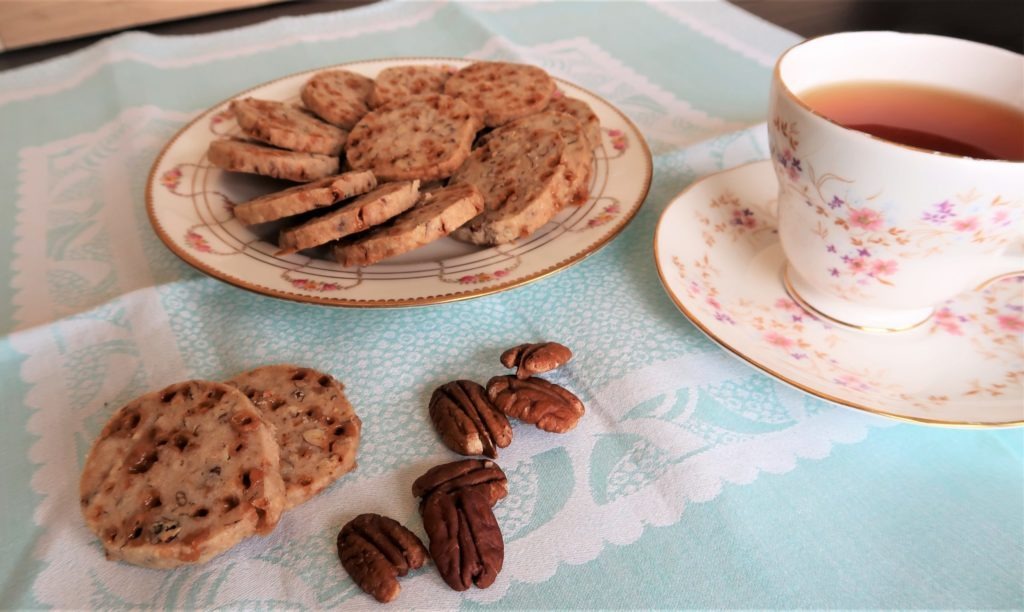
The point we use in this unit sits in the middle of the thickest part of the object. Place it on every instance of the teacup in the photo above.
(877, 233)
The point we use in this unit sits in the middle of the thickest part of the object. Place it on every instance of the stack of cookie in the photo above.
(487, 154)
(182, 474)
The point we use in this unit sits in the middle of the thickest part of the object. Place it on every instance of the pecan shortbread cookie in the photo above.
(438, 214)
(304, 198)
(502, 91)
(522, 176)
(180, 475)
(362, 213)
(400, 83)
(287, 127)
(315, 426)
(338, 96)
(582, 112)
(578, 157)
(425, 138)
(241, 156)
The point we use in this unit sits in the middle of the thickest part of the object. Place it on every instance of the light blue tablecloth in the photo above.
(694, 480)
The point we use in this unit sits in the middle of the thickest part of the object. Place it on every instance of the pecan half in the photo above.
(375, 550)
(530, 359)
(465, 540)
(534, 400)
(468, 422)
(478, 474)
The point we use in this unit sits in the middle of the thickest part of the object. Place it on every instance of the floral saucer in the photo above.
(718, 255)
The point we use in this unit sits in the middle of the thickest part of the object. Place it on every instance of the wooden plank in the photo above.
(24, 23)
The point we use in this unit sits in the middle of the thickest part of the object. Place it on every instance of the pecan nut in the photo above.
(478, 474)
(468, 422)
(465, 540)
(534, 400)
(530, 359)
(375, 550)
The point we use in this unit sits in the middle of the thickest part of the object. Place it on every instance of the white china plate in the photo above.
(190, 207)
(718, 256)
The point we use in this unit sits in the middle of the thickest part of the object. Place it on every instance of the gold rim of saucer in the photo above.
(799, 299)
(784, 88)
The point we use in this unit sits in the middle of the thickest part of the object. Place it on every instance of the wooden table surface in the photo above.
(997, 22)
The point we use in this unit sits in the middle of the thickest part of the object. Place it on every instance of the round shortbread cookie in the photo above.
(241, 156)
(583, 113)
(521, 174)
(316, 428)
(400, 83)
(362, 213)
(304, 198)
(424, 138)
(338, 96)
(180, 475)
(578, 157)
(438, 214)
(287, 127)
(502, 91)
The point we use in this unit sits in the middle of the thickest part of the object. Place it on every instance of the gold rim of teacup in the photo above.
(777, 77)
(796, 297)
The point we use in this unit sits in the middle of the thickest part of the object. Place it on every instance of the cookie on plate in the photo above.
(315, 426)
(339, 97)
(304, 198)
(180, 475)
(578, 156)
(583, 113)
(241, 156)
(400, 83)
(287, 127)
(438, 214)
(424, 138)
(364, 212)
(521, 174)
(502, 91)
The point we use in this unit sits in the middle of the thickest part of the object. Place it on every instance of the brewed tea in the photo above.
(926, 117)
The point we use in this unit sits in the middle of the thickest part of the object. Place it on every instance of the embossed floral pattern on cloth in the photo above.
(691, 481)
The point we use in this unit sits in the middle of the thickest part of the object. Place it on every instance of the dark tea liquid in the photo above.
(925, 117)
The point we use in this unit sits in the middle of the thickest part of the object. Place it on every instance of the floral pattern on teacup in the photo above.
(862, 244)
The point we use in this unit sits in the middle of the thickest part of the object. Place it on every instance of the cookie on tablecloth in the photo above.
(315, 426)
(180, 475)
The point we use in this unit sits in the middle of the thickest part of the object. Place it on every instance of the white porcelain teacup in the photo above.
(877, 233)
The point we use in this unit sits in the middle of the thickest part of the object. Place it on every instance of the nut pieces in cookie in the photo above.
(375, 550)
(534, 400)
(530, 359)
(468, 422)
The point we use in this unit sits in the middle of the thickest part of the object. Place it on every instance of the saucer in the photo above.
(718, 255)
